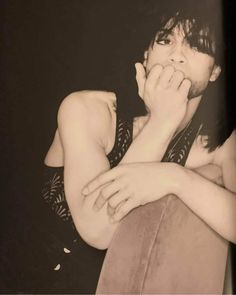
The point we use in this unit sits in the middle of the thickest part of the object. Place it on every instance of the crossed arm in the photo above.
(85, 159)
(83, 126)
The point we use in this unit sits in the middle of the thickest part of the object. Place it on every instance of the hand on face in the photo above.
(129, 186)
(165, 93)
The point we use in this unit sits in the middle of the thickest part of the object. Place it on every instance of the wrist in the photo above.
(178, 178)
(163, 130)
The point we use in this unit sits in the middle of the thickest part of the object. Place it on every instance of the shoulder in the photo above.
(89, 102)
(93, 111)
(226, 159)
(227, 152)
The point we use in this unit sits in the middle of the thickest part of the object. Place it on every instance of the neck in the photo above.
(191, 109)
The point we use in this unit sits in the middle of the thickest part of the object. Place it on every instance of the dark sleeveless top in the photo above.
(69, 243)
(74, 266)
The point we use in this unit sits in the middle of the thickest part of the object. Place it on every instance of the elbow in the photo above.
(99, 244)
(93, 237)
(95, 241)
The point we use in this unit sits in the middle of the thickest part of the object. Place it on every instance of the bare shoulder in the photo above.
(93, 109)
(227, 152)
(91, 102)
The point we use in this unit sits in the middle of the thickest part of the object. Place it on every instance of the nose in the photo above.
(177, 54)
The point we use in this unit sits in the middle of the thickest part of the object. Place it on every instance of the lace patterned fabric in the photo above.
(53, 192)
(180, 145)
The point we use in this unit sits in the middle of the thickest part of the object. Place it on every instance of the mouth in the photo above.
(148, 70)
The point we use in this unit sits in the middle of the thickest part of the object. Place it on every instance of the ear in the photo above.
(215, 73)
(145, 58)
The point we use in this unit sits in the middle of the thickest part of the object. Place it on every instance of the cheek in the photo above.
(155, 58)
(201, 72)
(203, 66)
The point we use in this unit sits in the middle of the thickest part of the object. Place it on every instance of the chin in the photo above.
(196, 92)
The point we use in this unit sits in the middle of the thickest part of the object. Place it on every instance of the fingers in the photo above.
(106, 193)
(166, 76)
(117, 198)
(123, 210)
(110, 210)
(140, 78)
(176, 79)
(185, 87)
(100, 180)
(154, 75)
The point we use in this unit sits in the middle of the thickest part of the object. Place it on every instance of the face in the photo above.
(174, 50)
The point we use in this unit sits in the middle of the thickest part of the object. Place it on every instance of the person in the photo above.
(180, 144)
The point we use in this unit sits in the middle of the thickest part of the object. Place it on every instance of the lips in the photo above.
(178, 69)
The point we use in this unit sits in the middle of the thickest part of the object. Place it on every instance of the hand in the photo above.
(165, 93)
(211, 172)
(131, 185)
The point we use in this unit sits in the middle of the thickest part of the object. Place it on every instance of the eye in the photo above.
(163, 41)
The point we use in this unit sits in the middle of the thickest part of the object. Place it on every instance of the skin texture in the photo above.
(174, 50)
(97, 196)
(165, 89)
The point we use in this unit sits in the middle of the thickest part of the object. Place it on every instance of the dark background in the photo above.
(50, 48)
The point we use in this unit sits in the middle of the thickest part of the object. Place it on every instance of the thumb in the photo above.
(140, 78)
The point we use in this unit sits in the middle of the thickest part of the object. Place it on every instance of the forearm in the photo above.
(212, 203)
(150, 144)
(95, 227)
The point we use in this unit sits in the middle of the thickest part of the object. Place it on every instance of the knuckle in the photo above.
(121, 212)
(179, 74)
(186, 80)
(112, 203)
(88, 188)
(99, 180)
(159, 67)
(102, 195)
(105, 194)
(169, 68)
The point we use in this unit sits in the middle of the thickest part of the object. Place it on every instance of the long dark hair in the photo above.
(214, 115)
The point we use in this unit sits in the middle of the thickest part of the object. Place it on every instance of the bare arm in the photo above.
(83, 142)
(82, 131)
(167, 105)
(83, 124)
(214, 204)
(141, 183)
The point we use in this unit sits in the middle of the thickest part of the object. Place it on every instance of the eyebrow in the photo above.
(164, 33)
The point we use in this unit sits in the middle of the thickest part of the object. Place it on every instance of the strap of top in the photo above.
(123, 139)
(177, 151)
(179, 148)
